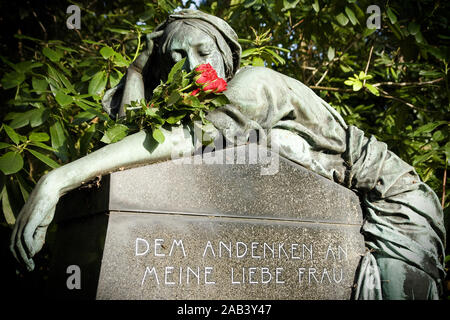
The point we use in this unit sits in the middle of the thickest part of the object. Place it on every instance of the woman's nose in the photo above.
(192, 61)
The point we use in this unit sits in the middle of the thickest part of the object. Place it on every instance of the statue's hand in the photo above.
(29, 231)
(142, 59)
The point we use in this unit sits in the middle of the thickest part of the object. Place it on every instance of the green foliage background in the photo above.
(392, 82)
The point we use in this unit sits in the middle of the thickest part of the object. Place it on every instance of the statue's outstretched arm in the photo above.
(28, 235)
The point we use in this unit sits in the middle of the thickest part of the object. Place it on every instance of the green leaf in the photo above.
(59, 141)
(391, 15)
(427, 128)
(357, 85)
(422, 158)
(59, 78)
(26, 66)
(438, 135)
(107, 52)
(39, 136)
(342, 19)
(173, 98)
(158, 135)
(12, 79)
(63, 99)
(289, 4)
(275, 55)
(351, 15)
(120, 31)
(372, 89)
(249, 52)
(53, 55)
(114, 134)
(220, 100)
(174, 119)
(331, 53)
(431, 73)
(114, 78)
(349, 82)
(413, 28)
(19, 120)
(39, 85)
(6, 206)
(4, 145)
(97, 83)
(38, 116)
(11, 162)
(42, 145)
(316, 6)
(120, 61)
(45, 159)
(176, 68)
(257, 62)
(24, 187)
(86, 139)
(83, 104)
(12, 134)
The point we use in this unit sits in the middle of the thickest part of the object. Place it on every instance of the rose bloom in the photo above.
(195, 92)
(203, 67)
(217, 86)
(206, 76)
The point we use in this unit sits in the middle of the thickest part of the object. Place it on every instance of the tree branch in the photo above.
(367, 65)
(405, 84)
(334, 59)
(330, 89)
(388, 96)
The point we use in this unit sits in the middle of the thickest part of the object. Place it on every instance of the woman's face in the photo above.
(198, 48)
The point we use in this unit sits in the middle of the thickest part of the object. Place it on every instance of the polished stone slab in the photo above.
(179, 229)
(162, 256)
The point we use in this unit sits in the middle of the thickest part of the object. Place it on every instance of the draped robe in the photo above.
(403, 223)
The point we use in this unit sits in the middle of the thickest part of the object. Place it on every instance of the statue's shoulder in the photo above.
(256, 73)
(252, 78)
(248, 76)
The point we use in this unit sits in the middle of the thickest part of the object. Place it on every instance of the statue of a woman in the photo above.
(403, 225)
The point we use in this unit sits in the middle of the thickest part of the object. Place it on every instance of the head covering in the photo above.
(113, 97)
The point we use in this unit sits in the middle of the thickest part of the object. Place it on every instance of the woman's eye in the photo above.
(204, 50)
(205, 53)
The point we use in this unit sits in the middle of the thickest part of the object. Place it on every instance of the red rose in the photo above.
(203, 67)
(218, 85)
(195, 92)
(208, 79)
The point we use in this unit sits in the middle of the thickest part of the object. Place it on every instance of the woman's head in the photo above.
(198, 37)
(196, 41)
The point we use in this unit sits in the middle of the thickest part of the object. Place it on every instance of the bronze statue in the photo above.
(403, 225)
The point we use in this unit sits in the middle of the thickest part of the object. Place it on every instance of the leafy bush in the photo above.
(392, 82)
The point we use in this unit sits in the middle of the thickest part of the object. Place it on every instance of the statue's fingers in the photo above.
(149, 39)
(154, 35)
(21, 253)
(39, 239)
(34, 232)
(28, 236)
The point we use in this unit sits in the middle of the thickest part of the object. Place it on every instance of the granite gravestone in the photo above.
(186, 229)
